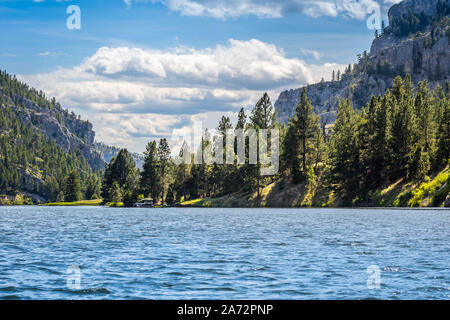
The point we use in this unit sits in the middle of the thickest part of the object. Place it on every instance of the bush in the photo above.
(441, 195)
(403, 199)
(428, 189)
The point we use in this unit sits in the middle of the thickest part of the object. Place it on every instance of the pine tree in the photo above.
(164, 160)
(242, 119)
(307, 125)
(224, 125)
(92, 188)
(289, 159)
(221, 174)
(424, 116)
(115, 193)
(419, 164)
(443, 132)
(401, 127)
(121, 170)
(72, 190)
(374, 138)
(150, 171)
(182, 172)
(344, 154)
(263, 116)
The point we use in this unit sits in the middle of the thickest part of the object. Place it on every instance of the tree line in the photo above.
(404, 134)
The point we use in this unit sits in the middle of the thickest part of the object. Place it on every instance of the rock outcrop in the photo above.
(64, 128)
(424, 55)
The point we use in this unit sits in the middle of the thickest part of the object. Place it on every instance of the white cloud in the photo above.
(311, 53)
(271, 8)
(133, 93)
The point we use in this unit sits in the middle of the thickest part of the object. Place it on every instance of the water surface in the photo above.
(193, 253)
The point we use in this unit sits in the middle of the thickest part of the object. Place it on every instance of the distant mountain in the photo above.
(416, 42)
(108, 152)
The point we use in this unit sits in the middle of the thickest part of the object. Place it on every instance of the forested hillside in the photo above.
(41, 145)
(48, 117)
(393, 152)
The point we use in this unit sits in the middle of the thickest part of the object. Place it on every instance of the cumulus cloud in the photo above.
(142, 93)
(180, 80)
(222, 9)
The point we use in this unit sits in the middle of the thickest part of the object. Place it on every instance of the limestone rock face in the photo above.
(425, 56)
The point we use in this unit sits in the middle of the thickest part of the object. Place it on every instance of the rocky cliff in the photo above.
(416, 42)
(66, 129)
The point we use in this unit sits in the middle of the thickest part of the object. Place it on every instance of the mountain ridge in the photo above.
(397, 51)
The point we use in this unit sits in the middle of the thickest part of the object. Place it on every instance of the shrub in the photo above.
(429, 188)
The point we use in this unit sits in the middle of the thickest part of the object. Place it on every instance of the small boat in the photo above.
(144, 203)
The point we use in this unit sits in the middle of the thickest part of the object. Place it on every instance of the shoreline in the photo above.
(218, 207)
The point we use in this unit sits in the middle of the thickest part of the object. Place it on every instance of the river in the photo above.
(195, 253)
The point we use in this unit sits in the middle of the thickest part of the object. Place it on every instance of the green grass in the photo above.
(191, 202)
(430, 190)
(115, 204)
(95, 202)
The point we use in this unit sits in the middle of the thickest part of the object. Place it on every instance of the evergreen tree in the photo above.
(72, 190)
(222, 174)
(419, 164)
(115, 193)
(401, 128)
(306, 126)
(182, 172)
(242, 119)
(374, 140)
(424, 115)
(92, 188)
(121, 170)
(150, 171)
(164, 160)
(344, 153)
(263, 116)
(170, 198)
(443, 132)
(224, 125)
(289, 159)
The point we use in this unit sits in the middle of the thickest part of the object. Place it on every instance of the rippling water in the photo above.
(223, 253)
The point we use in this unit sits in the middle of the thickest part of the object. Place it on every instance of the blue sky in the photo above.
(141, 69)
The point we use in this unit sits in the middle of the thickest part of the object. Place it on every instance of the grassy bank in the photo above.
(284, 193)
(95, 202)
